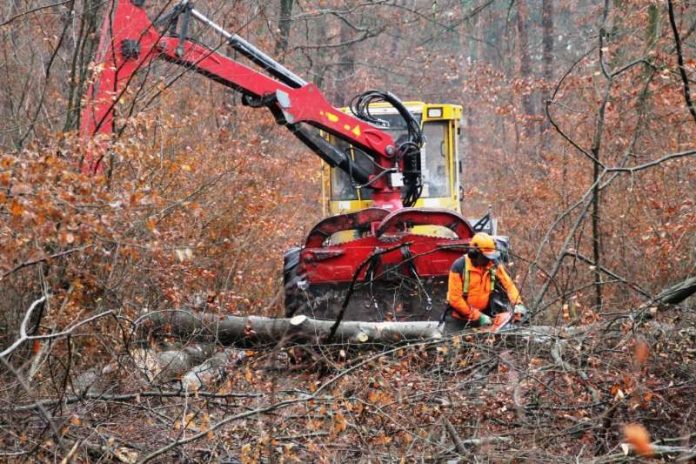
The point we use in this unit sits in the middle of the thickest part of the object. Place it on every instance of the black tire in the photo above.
(291, 281)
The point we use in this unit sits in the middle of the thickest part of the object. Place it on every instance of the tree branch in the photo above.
(680, 60)
(42, 259)
(23, 328)
(650, 164)
(33, 10)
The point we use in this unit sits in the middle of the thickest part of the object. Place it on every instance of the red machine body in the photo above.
(320, 273)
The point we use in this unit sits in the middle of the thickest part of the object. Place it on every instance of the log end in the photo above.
(298, 320)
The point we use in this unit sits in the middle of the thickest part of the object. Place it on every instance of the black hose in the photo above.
(409, 148)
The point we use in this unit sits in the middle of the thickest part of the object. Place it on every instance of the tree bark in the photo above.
(284, 24)
(547, 60)
(525, 64)
(547, 40)
(84, 47)
(211, 371)
(253, 330)
(346, 68)
(677, 293)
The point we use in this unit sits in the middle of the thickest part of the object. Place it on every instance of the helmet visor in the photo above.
(491, 254)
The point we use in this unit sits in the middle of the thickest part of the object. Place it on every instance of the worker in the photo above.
(478, 285)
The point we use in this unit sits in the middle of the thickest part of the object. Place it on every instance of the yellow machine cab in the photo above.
(439, 160)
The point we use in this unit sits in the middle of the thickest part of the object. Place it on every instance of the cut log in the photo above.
(189, 326)
(253, 330)
(164, 366)
(212, 371)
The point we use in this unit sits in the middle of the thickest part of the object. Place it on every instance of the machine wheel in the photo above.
(292, 282)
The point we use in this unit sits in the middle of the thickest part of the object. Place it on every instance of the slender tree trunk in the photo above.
(596, 192)
(525, 64)
(596, 243)
(346, 68)
(468, 60)
(284, 25)
(547, 39)
(680, 60)
(82, 54)
(547, 60)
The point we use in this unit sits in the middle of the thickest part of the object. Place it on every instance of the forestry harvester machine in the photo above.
(391, 175)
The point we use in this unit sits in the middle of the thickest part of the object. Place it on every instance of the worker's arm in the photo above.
(456, 299)
(509, 286)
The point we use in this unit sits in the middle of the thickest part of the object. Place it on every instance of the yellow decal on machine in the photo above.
(356, 130)
(332, 117)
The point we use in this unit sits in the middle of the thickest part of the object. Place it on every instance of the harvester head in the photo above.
(375, 264)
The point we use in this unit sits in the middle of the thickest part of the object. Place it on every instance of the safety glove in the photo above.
(484, 320)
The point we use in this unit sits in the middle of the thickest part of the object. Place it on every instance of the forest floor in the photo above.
(472, 397)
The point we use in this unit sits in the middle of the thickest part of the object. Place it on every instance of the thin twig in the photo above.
(650, 164)
(128, 397)
(43, 259)
(33, 10)
(609, 273)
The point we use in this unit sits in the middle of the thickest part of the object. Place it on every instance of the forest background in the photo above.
(579, 130)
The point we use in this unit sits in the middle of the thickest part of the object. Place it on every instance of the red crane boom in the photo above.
(387, 247)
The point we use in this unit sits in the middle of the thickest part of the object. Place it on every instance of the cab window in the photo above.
(434, 163)
(341, 185)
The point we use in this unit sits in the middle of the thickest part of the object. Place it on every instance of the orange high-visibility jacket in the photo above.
(470, 307)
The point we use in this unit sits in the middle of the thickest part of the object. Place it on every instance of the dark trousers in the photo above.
(498, 303)
(452, 324)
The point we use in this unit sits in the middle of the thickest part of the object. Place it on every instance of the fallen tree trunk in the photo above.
(673, 295)
(209, 330)
(254, 330)
(189, 326)
(677, 293)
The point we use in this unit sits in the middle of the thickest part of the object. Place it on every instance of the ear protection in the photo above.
(474, 253)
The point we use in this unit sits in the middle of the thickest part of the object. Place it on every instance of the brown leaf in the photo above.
(21, 189)
(638, 436)
(16, 208)
(642, 352)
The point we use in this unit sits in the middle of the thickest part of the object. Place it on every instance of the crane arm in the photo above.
(130, 40)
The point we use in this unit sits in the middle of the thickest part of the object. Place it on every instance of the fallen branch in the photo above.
(677, 453)
(670, 296)
(171, 364)
(461, 449)
(258, 411)
(23, 336)
(42, 259)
